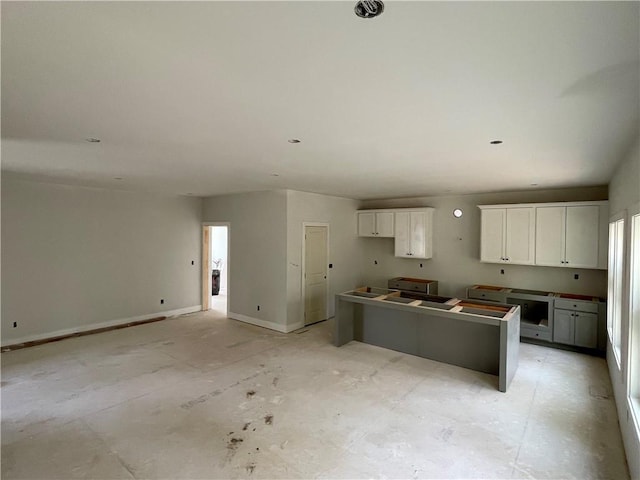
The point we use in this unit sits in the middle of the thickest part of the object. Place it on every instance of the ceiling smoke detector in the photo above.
(369, 8)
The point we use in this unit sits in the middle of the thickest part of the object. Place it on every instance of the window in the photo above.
(615, 287)
(634, 318)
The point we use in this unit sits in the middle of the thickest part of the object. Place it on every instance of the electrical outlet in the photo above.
(193, 262)
(15, 324)
(375, 262)
(258, 307)
(162, 301)
(420, 265)
(576, 276)
(502, 271)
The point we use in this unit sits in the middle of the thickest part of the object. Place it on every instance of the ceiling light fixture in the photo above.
(495, 142)
(293, 140)
(92, 140)
(369, 8)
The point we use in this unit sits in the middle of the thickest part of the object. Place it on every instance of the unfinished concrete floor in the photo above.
(201, 396)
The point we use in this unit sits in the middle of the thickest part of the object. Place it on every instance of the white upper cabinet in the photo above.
(507, 235)
(414, 233)
(520, 236)
(581, 237)
(385, 224)
(550, 224)
(492, 226)
(568, 236)
(375, 223)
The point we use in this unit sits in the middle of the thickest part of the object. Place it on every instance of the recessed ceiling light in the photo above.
(92, 140)
(457, 213)
(495, 142)
(293, 140)
(369, 8)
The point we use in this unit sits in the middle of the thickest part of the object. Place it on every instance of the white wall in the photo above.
(456, 252)
(76, 257)
(257, 254)
(624, 192)
(340, 214)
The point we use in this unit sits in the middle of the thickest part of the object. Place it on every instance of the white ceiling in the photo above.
(202, 97)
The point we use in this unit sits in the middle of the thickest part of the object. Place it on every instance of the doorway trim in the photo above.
(205, 271)
(303, 270)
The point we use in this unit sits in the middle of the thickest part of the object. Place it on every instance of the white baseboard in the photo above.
(278, 327)
(94, 326)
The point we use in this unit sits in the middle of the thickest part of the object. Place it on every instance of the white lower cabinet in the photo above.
(414, 233)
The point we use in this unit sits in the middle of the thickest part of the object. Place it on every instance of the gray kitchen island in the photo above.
(481, 336)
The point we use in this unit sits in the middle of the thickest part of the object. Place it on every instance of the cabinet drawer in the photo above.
(578, 305)
(486, 295)
(411, 286)
(534, 333)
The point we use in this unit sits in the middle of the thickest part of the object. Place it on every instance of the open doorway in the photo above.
(215, 247)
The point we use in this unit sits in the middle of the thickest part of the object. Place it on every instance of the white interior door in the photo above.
(315, 273)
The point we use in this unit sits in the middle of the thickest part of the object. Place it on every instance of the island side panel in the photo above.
(509, 350)
(466, 344)
(389, 328)
(346, 312)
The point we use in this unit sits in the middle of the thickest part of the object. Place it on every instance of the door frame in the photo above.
(205, 270)
(304, 267)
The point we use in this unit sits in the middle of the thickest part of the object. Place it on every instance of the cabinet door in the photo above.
(563, 327)
(492, 223)
(549, 242)
(520, 236)
(581, 250)
(366, 224)
(418, 241)
(402, 234)
(586, 329)
(384, 224)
